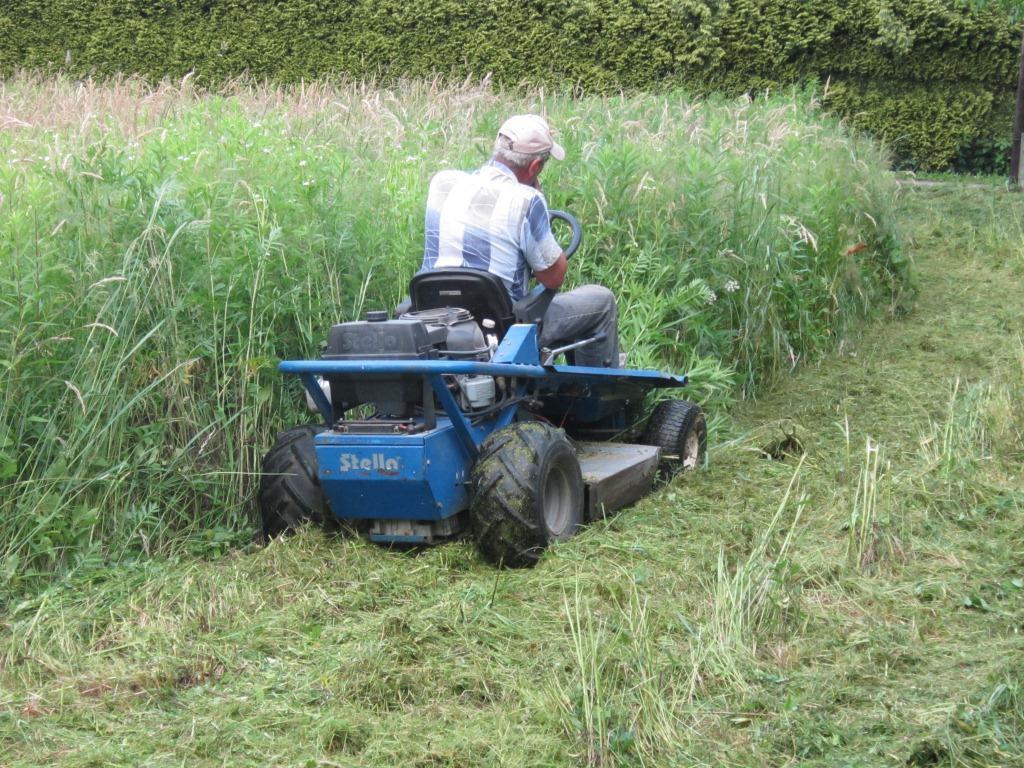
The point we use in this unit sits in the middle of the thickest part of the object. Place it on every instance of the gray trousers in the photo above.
(579, 314)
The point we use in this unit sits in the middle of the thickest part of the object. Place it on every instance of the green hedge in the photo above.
(930, 76)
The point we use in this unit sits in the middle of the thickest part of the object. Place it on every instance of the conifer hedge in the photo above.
(934, 78)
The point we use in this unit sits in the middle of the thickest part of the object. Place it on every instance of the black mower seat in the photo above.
(482, 293)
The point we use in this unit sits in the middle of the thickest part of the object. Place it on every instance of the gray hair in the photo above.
(517, 161)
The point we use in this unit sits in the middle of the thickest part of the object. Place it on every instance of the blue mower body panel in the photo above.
(418, 470)
(397, 477)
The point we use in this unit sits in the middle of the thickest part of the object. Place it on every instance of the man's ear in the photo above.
(536, 166)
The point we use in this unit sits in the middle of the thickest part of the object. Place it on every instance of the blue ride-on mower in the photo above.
(450, 419)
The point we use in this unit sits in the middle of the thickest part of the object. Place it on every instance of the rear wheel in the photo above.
(678, 427)
(290, 493)
(527, 493)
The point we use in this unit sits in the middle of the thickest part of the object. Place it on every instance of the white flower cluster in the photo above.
(731, 286)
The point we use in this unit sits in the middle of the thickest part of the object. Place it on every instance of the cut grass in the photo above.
(329, 651)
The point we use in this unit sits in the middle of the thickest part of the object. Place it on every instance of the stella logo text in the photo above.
(376, 462)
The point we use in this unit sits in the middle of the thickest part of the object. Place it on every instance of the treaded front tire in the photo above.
(527, 493)
(679, 428)
(290, 493)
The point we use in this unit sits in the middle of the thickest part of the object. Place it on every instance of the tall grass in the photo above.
(871, 537)
(162, 248)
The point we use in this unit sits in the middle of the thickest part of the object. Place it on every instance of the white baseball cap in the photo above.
(530, 135)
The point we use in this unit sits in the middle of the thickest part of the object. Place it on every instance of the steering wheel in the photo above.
(574, 226)
(531, 308)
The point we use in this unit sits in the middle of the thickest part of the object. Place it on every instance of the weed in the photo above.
(957, 449)
(752, 602)
(870, 536)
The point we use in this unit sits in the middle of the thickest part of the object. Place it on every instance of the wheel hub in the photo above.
(557, 501)
(691, 451)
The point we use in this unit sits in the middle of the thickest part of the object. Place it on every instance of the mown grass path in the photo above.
(829, 610)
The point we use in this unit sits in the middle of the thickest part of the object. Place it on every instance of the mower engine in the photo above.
(449, 333)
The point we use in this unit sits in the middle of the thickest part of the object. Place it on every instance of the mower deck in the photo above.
(615, 475)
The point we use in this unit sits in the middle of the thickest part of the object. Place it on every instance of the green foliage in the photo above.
(920, 124)
(891, 64)
(163, 251)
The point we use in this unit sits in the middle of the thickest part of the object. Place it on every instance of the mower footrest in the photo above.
(615, 475)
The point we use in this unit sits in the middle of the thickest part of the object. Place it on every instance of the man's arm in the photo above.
(553, 276)
(542, 252)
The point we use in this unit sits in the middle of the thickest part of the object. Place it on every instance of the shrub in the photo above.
(928, 75)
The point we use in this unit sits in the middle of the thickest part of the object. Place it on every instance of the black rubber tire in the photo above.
(679, 428)
(290, 494)
(526, 480)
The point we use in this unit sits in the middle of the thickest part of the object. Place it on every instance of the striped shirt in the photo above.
(487, 220)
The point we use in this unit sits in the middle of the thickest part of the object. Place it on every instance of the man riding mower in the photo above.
(458, 416)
